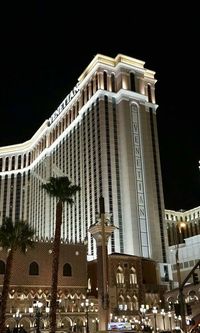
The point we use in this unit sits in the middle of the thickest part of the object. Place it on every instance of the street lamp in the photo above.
(17, 316)
(96, 322)
(37, 305)
(143, 310)
(87, 305)
(155, 311)
(180, 225)
(170, 320)
(102, 231)
(162, 312)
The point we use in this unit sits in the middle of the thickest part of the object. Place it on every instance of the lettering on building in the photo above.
(64, 103)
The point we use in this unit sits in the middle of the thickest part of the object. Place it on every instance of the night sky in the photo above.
(45, 47)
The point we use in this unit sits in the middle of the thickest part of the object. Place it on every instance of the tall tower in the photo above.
(103, 136)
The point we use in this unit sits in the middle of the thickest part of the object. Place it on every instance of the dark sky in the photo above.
(45, 47)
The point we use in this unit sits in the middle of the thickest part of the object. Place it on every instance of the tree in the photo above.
(62, 189)
(13, 236)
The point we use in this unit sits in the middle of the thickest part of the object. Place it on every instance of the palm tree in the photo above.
(62, 189)
(13, 236)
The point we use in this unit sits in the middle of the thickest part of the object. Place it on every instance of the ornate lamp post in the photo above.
(143, 310)
(37, 306)
(170, 320)
(17, 316)
(179, 226)
(155, 311)
(87, 305)
(101, 231)
(162, 312)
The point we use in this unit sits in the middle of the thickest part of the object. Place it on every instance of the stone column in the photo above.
(101, 231)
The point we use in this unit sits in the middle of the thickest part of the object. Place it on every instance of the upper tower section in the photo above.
(111, 75)
(121, 72)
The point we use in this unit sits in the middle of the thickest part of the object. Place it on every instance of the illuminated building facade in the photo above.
(103, 136)
(183, 229)
(133, 281)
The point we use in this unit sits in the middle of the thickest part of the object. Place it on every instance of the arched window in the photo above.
(121, 302)
(112, 82)
(19, 162)
(29, 157)
(67, 270)
(120, 275)
(149, 93)
(24, 161)
(2, 267)
(96, 80)
(171, 300)
(133, 276)
(92, 88)
(135, 302)
(13, 163)
(129, 303)
(83, 97)
(132, 80)
(33, 268)
(105, 80)
(7, 164)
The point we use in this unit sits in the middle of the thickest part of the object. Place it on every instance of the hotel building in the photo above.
(103, 136)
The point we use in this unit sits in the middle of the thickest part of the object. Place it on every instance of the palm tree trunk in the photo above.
(5, 290)
(55, 267)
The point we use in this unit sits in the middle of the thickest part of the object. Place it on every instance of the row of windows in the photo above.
(185, 218)
(174, 234)
(157, 183)
(15, 162)
(34, 268)
(186, 264)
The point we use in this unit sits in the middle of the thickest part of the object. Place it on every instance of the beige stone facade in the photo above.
(132, 281)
